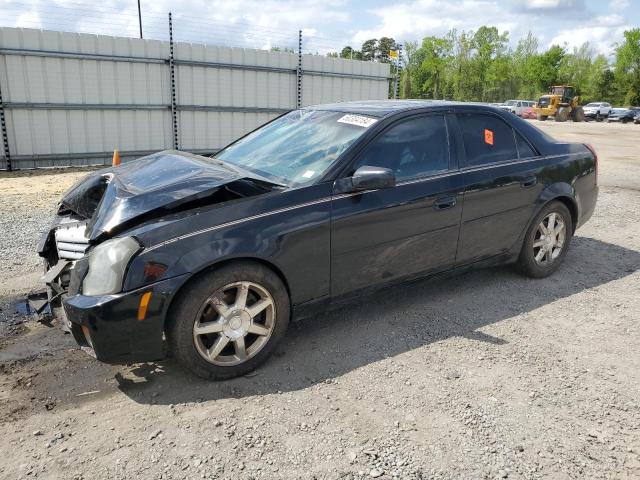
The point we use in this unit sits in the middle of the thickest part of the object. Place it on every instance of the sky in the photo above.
(328, 25)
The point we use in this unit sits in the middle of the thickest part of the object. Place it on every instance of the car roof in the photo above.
(382, 108)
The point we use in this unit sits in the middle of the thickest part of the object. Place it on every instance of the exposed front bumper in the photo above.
(108, 326)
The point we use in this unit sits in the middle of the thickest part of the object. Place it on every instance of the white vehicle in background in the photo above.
(517, 107)
(597, 110)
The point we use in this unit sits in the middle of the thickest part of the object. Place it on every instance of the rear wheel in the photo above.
(546, 241)
(228, 321)
(542, 118)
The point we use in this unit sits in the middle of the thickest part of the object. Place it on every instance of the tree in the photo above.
(479, 66)
(350, 53)
(276, 48)
(546, 68)
(385, 45)
(369, 50)
(434, 54)
(628, 66)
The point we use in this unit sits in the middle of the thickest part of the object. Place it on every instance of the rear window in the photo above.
(524, 149)
(487, 139)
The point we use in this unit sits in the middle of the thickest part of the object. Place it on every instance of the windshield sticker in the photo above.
(488, 137)
(308, 174)
(357, 120)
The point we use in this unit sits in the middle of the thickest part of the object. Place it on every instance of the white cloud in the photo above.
(601, 38)
(29, 19)
(415, 19)
(617, 5)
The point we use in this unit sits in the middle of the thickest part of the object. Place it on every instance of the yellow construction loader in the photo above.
(560, 103)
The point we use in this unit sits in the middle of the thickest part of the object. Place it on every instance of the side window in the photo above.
(487, 139)
(524, 149)
(411, 148)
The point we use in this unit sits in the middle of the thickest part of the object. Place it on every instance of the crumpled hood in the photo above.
(117, 195)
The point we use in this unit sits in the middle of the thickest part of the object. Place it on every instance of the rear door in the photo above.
(382, 235)
(500, 174)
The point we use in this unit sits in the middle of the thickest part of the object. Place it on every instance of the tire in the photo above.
(578, 114)
(542, 118)
(527, 262)
(199, 305)
(562, 114)
(624, 121)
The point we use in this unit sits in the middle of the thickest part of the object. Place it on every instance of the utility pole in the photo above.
(140, 18)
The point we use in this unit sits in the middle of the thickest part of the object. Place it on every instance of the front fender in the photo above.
(296, 241)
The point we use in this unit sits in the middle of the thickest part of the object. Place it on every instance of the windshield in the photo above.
(510, 102)
(592, 105)
(297, 147)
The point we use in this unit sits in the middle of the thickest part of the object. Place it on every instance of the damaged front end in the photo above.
(65, 243)
(108, 202)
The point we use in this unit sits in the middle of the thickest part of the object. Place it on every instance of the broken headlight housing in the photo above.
(107, 265)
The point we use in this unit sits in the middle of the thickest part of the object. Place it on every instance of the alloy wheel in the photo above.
(234, 323)
(549, 239)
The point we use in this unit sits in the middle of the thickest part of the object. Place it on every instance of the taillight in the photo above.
(595, 158)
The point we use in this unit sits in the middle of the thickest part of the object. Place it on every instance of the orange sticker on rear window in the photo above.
(488, 137)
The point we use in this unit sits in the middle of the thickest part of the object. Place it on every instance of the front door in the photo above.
(382, 235)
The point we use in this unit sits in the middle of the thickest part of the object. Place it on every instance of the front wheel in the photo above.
(546, 241)
(227, 322)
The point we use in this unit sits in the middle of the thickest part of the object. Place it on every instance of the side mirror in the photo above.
(372, 178)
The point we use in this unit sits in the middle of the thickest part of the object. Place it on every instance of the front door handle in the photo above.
(443, 203)
(529, 182)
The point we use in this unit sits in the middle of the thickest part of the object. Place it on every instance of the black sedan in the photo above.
(623, 115)
(321, 204)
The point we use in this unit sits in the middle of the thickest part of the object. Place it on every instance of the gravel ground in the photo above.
(484, 375)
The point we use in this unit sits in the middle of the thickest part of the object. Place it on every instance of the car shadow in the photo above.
(388, 323)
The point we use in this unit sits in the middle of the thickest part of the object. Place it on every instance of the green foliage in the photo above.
(627, 67)
(480, 66)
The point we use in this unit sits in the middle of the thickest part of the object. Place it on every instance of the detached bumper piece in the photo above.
(111, 327)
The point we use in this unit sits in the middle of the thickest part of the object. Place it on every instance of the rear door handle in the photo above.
(443, 203)
(529, 182)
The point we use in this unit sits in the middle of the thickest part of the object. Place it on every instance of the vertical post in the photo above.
(172, 72)
(395, 81)
(140, 18)
(5, 136)
(299, 71)
(397, 85)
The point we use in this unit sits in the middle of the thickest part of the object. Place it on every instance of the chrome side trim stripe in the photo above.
(237, 222)
(347, 195)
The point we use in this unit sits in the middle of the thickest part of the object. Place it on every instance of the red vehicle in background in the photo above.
(528, 113)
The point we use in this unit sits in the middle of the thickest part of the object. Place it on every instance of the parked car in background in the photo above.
(517, 107)
(321, 204)
(597, 110)
(623, 115)
(529, 113)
